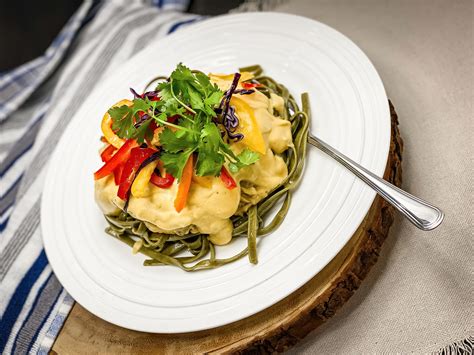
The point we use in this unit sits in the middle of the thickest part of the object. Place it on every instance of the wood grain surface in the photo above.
(272, 330)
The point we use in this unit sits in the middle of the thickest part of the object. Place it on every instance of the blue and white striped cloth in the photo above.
(36, 102)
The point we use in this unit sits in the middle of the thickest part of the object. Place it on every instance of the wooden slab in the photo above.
(272, 330)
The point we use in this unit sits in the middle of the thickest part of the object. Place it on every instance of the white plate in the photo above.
(350, 111)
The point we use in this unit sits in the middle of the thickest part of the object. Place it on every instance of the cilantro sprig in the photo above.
(192, 98)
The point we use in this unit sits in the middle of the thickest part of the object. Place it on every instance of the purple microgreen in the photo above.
(149, 94)
(135, 94)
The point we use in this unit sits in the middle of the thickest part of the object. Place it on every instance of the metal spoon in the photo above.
(422, 214)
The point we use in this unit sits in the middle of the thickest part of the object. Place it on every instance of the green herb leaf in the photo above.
(122, 121)
(182, 73)
(195, 99)
(164, 89)
(194, 90)
(143, 132)
(245, 158)
(213, 99)
(210, 137)
(124, 118)
(141, 105)
(174, 142)
(174, 162)
(209, 163)
(209, 160)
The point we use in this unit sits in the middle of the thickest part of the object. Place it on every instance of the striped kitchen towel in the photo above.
(37, 101)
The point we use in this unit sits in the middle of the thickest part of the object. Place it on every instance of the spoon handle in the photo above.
(422, 214)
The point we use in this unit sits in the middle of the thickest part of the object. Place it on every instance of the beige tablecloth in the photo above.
(419, 296)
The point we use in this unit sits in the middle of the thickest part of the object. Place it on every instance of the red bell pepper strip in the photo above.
(184, 185)
(121, 156)
(172, 119)
(227, 179)
(163, 182)
(107, 153)
(153, 126)
(118, 174)
(137, 157)
(250, 85)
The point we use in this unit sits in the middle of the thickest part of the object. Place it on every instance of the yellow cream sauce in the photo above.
(208, 209)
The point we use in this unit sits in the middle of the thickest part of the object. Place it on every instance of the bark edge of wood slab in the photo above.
(278, 327)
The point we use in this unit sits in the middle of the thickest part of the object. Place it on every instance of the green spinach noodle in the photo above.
(165, 249)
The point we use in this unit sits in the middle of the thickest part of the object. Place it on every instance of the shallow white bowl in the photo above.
(350, 112)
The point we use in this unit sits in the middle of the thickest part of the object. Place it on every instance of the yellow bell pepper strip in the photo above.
(106, 126)
(120, 157)
(248, 126)
(244, 76)
(140, 184)
(184, 185)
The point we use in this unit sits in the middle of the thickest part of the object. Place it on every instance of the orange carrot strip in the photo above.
(184, 185)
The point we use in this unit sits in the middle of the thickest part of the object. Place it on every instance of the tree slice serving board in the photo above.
(273, 330)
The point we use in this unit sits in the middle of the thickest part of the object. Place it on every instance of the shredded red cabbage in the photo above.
(236, 136)
(228, 95)
(230, 120)
(230, 123)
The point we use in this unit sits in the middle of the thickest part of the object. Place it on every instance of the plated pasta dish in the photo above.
(196, 160)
